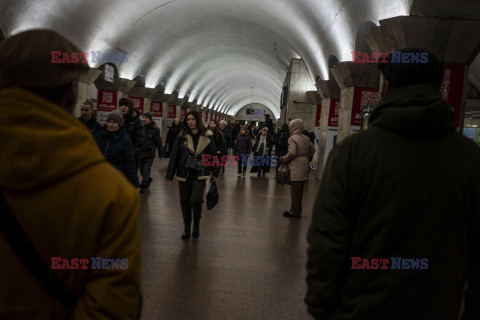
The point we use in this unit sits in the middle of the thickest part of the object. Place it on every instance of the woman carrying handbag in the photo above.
(300, 153)
(193, 141)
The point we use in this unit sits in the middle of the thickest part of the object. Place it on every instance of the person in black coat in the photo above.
(243, 149)
(227, 134)
(395, 229)
(262, 151)
(194, 146)
(133, 126)
(269, 125)
(152, 142)
(88, 118)
(117, 147)
(218, 139)
(281, 142)
(172, 134)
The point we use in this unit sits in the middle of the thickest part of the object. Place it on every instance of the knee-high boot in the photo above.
(196, 228)
(186, 233)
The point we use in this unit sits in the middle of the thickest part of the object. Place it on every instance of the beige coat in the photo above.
(300, 150)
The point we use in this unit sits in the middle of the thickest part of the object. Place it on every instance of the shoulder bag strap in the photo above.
(30, 258)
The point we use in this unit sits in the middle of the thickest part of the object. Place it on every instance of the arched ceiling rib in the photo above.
(213, 50)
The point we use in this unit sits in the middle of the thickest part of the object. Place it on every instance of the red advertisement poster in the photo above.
(334, 112)
(452, 88)
(156, 109)
(206, 117)
(138, 104)
(362, 97)
(317, 117)
(183, 113)
(107, 100)
(172, 112)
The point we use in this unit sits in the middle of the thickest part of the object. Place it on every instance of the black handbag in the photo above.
(193, 163)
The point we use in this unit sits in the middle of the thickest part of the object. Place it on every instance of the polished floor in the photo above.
(249, 262)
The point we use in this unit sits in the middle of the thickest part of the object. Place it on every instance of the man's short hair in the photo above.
(88, 103)
(126, 102)
(401, 74)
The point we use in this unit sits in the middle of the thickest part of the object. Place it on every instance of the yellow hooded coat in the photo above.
(71, 204)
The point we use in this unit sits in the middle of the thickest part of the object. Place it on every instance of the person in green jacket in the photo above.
(395, 232)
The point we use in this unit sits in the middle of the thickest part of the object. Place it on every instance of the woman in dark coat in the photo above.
(262, 151)
(117, 147)
(243, 149)
(133, 126)
(194, 143)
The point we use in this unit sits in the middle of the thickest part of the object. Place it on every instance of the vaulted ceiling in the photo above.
(215, 51)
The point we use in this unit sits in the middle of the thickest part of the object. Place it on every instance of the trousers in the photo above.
(296, 192)
(191, 198)
(145, 168)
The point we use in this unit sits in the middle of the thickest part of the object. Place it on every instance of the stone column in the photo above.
(298, 83)
(85, 84)
(329, 92)
(359, 88)
(456, 42)
(164, 121)
(157, 96)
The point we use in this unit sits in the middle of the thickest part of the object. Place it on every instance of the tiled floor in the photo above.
(249, 262)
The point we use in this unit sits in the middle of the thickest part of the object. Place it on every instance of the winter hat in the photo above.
(116, 116)
(148, 115)
(30, 60)
(265, 128)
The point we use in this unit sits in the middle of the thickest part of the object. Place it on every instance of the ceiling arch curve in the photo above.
(188, 44)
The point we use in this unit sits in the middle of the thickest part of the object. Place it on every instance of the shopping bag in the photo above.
(283, 174)
(212, 196)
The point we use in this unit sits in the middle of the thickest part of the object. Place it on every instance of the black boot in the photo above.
(186, 233)
(196, 227)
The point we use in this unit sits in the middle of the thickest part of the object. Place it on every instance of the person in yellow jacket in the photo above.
(70, 203)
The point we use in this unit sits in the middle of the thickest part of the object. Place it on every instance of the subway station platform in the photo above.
(249, 262)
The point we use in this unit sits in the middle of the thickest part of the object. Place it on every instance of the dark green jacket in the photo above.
(407, 187)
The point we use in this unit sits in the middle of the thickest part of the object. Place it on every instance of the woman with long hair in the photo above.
(193, 141)
(262, 150)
